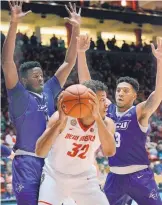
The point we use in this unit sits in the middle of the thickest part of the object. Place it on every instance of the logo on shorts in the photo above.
(19, 187)
(73, 122)
(42, 178)
(153, 194)
(140, 176)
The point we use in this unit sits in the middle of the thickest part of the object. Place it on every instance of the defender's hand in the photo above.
(16, 10)
(74, 17)
(157, 52)
(83, 43)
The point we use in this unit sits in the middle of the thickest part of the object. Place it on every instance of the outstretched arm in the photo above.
(83, 43)
(8, 65)
(147, 108)
(64, 70)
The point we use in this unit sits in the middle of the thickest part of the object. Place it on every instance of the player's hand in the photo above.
(12, 155)
(83, 43)
(74, 17)
(62, 115)
(157, 52)
(95, 105)
(16, 10)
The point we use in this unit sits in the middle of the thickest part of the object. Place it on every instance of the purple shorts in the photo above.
(140, 186)
(27, 172)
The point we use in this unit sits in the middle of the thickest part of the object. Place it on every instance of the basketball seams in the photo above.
(79, 100)
(77, 86)
(76, 101)
(77, 105)
(86, 106)
(74, 95)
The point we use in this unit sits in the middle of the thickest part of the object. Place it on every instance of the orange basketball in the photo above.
(76, 101)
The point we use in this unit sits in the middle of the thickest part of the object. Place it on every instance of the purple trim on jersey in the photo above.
(130, 140)
(30, 112)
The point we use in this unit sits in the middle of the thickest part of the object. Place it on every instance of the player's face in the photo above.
(35, 81)
(125, 95)
(101, 95)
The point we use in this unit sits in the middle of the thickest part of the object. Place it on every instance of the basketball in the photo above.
(76, 101)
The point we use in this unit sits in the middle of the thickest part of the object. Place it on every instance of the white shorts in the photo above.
(84, 188)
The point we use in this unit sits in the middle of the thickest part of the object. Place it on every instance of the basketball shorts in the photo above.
(140, 186)
(83, 188)
(26, 171)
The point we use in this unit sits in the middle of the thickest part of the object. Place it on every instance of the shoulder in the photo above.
(108, 120)
(111, 106)
(52, 81)
(18, 88)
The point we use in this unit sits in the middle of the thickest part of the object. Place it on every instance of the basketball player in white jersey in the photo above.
(71, 144)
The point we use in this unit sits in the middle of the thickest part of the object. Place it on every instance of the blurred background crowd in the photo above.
(119, 46)
(105, 66)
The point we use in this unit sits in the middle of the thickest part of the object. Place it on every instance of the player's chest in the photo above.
(75, 132)
(72, 135)
(125, 122)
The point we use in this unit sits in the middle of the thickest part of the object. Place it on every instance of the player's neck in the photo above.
(124, 109)
(87, 121)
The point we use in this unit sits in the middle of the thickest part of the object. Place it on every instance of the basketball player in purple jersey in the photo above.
(30, 103)
(130, 173)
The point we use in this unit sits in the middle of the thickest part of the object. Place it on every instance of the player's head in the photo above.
(32, 76)
(101, 91)
(126, 91)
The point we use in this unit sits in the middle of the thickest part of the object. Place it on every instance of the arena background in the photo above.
(109, 24)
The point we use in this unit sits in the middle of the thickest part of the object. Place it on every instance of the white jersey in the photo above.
(74, 149)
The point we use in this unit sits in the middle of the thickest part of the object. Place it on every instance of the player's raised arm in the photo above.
(70, 58)
(83, 43)
(8, 65)
(146, 108)
(54, 128)
(106, 128)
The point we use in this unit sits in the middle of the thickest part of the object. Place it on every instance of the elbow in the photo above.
(110, 151)
(39, 152)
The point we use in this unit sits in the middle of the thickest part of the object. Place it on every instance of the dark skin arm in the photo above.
(8, 64)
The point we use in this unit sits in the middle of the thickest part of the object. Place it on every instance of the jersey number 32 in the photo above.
(79, 150)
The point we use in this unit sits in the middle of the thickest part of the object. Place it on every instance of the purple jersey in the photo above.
(30, 111)
(5, 151)
(130, 140)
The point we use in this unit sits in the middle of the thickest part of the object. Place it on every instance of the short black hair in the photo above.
(95, 85)
(28, 66)
(133, 82)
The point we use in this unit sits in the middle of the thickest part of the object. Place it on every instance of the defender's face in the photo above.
(34, 80)
(102, 98)
(125, 95)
